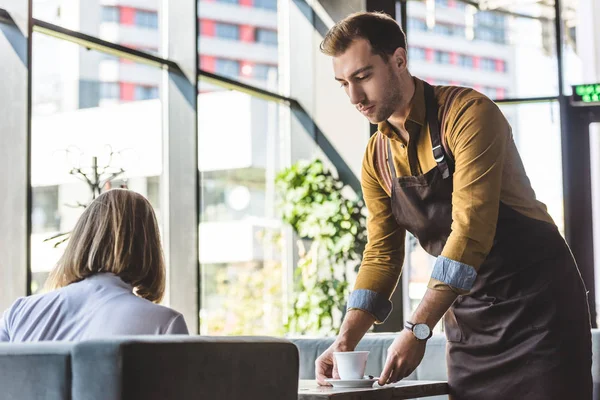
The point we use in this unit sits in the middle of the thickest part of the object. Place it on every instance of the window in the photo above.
(442, 29)
(266, 4)
(261, 71)
(489, 19)
(227, 31)
(490, 27)
(488, 64)
(44, 209)
(110, 90)
(441, 3)
(146, 92)
(266, 36)
(465, 61)
(146, 19)
(491, 34)
(449, 30)
(62, 138)
(489, 91)
(111, 14)
(229, 1)
(416, 53)
(228, 68)
(415, 24)
(442, 57)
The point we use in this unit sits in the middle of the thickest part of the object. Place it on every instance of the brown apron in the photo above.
(523, 331)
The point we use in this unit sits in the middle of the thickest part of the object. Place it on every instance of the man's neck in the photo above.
(398, 119)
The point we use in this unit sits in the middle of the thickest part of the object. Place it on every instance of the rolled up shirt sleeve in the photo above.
(384, 253)
(478, 135)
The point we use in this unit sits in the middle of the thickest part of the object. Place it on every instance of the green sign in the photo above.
(586, 94)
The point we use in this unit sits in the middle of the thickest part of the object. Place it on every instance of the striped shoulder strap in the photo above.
(381, 165)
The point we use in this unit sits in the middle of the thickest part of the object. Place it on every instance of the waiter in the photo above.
(443, 166)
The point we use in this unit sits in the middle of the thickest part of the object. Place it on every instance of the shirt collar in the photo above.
(416, 115)
(109, 279)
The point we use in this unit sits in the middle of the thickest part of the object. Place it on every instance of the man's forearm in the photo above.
(354, 327)
(433, 306)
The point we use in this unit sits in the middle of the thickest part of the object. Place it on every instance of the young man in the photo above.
(444, 167)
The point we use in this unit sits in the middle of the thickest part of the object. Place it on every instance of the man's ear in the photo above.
(399, 58)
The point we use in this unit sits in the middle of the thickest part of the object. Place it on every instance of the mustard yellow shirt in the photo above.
(488, 169)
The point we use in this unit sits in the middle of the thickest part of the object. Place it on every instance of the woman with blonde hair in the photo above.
(107, 281)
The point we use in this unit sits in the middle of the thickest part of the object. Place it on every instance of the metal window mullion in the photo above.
(180, 188)
(15, 150)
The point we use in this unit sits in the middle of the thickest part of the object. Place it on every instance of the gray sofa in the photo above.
(151, 368)
(192, 367)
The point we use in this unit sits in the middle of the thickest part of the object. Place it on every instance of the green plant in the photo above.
(313, 203)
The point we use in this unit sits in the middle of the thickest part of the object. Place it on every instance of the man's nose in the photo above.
(356, 95)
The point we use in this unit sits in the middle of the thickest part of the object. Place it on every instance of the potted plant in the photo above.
(330, 221)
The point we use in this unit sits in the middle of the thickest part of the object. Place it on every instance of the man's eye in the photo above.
(344, 84)
(360, 78)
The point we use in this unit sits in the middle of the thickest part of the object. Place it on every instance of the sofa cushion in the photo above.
(35, 371)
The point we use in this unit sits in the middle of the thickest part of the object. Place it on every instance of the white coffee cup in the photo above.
(351, 364)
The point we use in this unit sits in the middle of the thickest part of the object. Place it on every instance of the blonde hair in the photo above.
(382, 31)
(116, 233)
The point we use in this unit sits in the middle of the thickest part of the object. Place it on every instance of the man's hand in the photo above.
(356, 323)
(404, 356)
(325, 366)
(406, 353)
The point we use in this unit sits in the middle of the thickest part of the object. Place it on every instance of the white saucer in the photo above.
(352, 383)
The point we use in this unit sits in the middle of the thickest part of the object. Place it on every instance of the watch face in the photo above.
(421, 331)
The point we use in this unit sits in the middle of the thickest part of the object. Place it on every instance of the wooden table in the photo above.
(309, 390)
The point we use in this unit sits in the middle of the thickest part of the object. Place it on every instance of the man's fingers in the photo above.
(321, 379)
(322, 372)
(334, 373)
(386, 373)
(396, 375)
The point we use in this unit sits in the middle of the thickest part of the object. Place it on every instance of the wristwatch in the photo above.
(421, 331)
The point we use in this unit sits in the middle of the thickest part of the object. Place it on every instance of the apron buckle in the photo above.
(438, 154)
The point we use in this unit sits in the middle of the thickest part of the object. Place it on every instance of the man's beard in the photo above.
(390, 102)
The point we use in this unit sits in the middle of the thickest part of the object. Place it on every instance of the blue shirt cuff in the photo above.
(372, 302)
(454, 273)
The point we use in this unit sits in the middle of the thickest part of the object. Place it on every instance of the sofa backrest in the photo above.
(185, 367)
(151, 368)
(35, 371)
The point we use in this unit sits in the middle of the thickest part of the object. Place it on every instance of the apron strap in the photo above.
(431, 111)
(390, 160)
(444, 161)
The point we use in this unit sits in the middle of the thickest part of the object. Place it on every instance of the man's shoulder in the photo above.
(455, 97)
